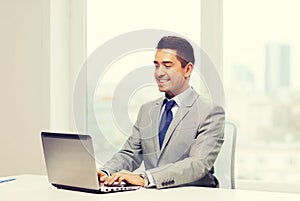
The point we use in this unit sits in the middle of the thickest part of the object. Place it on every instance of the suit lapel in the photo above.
(180, 114)
(187, 104)
(155, 119)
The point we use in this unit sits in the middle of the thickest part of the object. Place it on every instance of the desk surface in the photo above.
(36, 187)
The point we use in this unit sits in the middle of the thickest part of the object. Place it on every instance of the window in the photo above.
(261, 67)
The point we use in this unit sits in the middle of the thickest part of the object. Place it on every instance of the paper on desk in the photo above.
(6, 179)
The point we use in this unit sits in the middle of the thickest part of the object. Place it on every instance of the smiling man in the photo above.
(178, 136)
(172, 78)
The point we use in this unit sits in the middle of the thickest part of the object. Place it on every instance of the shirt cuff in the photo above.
(150, 179)
(106, 171)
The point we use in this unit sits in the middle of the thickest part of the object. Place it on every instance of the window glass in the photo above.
(261, 78)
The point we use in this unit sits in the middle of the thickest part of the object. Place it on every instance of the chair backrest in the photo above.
(224, 164)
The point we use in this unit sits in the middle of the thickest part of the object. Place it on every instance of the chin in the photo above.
(162, 89)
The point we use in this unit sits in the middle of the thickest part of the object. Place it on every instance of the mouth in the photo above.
(161, 82)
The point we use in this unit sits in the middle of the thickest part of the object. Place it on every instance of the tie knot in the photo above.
(169, 104)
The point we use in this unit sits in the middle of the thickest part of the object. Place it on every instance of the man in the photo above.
(178, 137)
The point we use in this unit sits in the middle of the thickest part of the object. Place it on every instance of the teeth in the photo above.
(163, 81)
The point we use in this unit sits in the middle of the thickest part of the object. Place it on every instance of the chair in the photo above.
(224, 164)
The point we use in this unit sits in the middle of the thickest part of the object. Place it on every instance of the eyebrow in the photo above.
(164, 62)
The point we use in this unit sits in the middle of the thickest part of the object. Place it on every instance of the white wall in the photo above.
(67, 55)
(24, 84)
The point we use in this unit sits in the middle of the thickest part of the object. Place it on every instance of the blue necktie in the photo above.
(165, 121)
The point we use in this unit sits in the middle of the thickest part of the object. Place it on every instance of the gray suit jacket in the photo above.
(190, 147)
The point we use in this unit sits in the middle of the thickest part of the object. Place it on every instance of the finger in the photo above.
(103, 178)
(112, 179)
(121, 178)
(101, 175)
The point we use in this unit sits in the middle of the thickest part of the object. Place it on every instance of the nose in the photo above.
(159, 71)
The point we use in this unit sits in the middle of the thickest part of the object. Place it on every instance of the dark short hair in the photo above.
(184, 49)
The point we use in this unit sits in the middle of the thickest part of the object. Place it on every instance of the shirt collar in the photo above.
(180, 97)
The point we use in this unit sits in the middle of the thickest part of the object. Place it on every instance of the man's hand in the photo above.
(102, 176)
(128, 177)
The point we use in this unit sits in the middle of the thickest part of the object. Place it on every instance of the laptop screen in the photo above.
(70, 160)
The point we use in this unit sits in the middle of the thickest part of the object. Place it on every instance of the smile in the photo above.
(163, 81)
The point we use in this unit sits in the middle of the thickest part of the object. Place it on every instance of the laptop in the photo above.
(71, 164)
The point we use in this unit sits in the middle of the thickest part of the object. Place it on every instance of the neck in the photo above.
(172, 94)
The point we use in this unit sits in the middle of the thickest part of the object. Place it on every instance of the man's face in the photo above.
(170, 76)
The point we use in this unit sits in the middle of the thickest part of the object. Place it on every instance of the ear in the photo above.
(188, 70)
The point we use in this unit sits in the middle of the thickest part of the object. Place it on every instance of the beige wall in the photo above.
(42, 48)
(24, 84)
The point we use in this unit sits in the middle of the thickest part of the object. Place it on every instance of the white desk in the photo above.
(37, 188)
